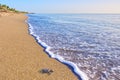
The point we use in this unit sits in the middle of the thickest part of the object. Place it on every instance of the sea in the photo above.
(89, 43)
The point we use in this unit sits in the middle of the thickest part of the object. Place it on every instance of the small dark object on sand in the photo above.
(46, 71)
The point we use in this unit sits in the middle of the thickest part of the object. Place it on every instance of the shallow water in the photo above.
(91, 41)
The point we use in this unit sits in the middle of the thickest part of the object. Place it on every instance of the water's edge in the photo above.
(73, 67)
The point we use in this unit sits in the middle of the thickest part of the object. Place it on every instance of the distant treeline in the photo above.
(5, 8)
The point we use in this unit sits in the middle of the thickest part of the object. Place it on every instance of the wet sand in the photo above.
(21, 58)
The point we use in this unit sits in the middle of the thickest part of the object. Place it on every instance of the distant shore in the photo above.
(21, 58)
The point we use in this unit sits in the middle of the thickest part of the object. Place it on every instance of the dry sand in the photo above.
(21, 57)
(5, 14)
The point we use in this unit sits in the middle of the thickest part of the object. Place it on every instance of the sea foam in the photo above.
(47, 48)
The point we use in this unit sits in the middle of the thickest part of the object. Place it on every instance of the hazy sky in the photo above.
(65, 6)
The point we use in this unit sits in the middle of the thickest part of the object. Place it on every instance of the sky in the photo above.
(65, 6)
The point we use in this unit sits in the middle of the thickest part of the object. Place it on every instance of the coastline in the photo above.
(72, 66)
(21, 57)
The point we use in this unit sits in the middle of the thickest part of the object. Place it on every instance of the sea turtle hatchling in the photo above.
(46, 71)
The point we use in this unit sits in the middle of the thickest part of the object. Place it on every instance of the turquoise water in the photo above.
(90, 41)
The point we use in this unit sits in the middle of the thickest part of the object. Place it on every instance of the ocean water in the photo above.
(90, 43)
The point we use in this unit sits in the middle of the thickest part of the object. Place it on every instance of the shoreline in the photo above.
(21, 57)
(81, 75)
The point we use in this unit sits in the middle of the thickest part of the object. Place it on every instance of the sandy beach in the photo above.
(21, 58)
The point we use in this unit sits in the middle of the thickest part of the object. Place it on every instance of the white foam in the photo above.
(58, 57)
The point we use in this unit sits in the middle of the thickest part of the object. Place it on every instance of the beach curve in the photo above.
(21, 57)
